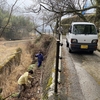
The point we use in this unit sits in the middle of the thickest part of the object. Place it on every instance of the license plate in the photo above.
(84, 46)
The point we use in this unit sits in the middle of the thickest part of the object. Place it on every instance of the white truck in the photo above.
(82, 36)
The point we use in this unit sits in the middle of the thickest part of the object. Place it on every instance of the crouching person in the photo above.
(23, 81)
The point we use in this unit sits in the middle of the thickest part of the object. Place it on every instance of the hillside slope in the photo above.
(46, 44)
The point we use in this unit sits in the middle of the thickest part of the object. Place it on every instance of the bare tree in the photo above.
(8, 18)
(59, 8)
(63, 7)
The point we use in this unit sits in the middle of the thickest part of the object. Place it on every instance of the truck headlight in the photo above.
(95, 41)
(74, 41)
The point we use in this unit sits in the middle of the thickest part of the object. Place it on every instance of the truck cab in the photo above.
(82, 36)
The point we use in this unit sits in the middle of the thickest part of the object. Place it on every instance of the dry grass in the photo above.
(2, 39)
(28, 51)
(10, 85)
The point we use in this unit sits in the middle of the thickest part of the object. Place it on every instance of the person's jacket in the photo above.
(24, 79)
(40, 57)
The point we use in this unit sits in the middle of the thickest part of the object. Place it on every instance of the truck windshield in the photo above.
(84, 29)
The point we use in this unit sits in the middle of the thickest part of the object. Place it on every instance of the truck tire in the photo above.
(91, 52)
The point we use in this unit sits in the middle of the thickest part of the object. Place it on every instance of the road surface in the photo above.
(83, 75)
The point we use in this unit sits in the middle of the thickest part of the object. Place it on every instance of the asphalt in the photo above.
(90, 88)
(76, 83)
(73, 89)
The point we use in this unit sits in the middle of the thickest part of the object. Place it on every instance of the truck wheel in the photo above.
(91, 52)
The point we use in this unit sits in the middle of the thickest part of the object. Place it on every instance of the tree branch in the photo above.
(8, 18)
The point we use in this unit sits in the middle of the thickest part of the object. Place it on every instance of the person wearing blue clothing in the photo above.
(40, 58)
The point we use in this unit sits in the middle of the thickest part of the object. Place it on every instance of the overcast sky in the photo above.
(19, 8)
(20, 3)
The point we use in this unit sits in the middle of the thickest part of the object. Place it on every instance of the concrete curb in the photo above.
(51, 93)
(51, 88)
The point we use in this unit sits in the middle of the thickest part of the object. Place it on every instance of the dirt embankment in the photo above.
(44, 43)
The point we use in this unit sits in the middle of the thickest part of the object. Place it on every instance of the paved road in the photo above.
(83, 75)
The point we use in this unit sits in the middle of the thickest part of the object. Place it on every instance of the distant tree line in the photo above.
(17, 28)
